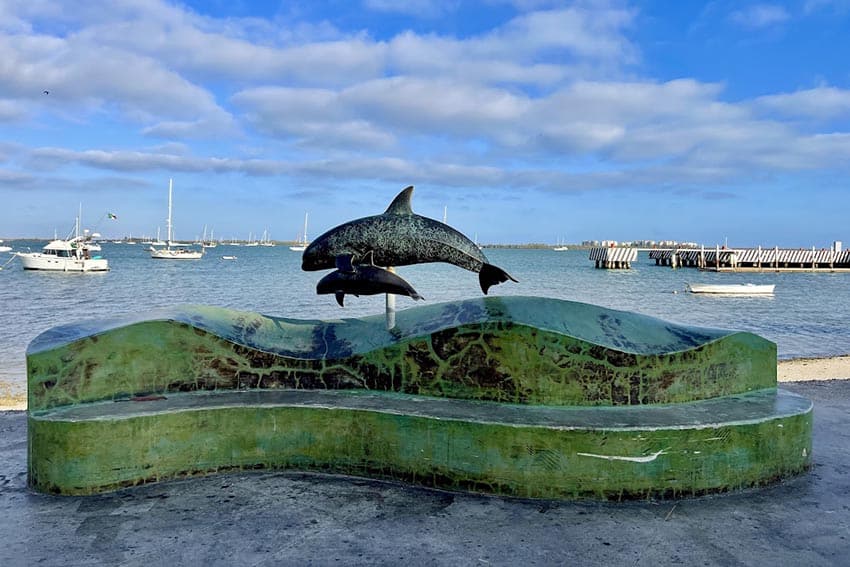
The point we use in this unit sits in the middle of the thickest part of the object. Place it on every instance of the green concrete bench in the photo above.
(515, 395)
(528, 451)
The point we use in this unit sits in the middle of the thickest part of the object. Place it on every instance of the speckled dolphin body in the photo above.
(364, 280)
(399, 237)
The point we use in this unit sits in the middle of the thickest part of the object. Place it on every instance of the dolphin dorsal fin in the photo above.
(401, 203)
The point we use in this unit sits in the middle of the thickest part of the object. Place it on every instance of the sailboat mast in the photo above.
(168, 220)
(305, 227)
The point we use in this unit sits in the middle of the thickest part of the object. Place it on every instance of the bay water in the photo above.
(808, 316)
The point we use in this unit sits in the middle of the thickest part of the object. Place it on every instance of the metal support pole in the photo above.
(390, 305)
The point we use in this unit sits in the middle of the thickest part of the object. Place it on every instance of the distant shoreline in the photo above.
(793, 370)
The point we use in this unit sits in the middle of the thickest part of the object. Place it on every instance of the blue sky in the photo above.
(530, 121)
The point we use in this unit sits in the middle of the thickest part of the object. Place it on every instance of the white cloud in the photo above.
(585, 32)
(821, 103)
(127, 161)
(526, 104)
(12, 111)
(760, 16)
(313, 117)
(86, 78)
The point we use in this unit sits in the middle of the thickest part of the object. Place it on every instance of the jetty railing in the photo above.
(754, 259)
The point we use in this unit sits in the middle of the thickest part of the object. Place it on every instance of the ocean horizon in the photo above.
(804, 317)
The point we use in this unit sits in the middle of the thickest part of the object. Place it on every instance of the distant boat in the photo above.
(732, 289)
(560, 247)
(211, 243)
(4, 248)
(178, 253)
(251, 241)
(72, 254)
(301, 245)
(265, 241)
(158, 241)
(228, 257)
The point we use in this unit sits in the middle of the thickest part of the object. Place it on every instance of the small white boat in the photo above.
(4, 248)
(732, 289)
(265, 240)
(228, 257)
(169, 253)
(301, 245)
(211, 243)
(561, 246)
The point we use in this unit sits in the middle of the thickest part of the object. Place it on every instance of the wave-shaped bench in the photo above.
(515, 395)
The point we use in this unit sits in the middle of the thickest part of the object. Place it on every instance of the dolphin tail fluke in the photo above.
(491, 275)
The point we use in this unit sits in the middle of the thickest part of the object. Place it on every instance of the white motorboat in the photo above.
(301, 245)
(732, 289)
(73, 254)
(176, 253)
(4, 248)
(228, 257)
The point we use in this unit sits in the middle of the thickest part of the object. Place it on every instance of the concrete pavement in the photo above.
(270, 518)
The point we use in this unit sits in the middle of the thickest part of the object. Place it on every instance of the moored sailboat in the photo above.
(301, 245)
(177, 253)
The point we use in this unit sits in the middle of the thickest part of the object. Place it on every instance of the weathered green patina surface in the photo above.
(529, 451)
(507, 349)
(513, 395)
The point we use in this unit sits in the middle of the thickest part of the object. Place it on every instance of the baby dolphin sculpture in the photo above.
(399, 237)
(364, 280)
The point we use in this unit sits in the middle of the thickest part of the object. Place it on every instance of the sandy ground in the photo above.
(800, 369)
(797, 370)
(12, 397)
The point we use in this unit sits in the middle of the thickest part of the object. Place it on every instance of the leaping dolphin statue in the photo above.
(364, 280)
(399, 237)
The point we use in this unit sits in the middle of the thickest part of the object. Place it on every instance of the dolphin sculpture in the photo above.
(399, 237)
(364, 280)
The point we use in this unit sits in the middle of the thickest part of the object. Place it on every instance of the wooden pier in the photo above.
(614, 258)
(754, 259)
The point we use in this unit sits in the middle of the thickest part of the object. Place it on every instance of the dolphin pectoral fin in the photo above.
(344, 263)
(340, 298)
(401, 203)
(491, 275)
